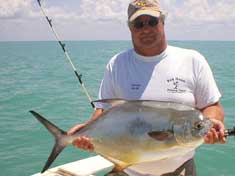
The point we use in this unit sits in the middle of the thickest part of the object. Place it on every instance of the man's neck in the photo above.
(148, 52)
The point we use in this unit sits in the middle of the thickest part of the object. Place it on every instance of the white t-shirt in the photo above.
(176, 75)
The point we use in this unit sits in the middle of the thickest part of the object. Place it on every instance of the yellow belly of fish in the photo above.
(131, 151)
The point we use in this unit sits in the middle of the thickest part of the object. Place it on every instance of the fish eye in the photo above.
(199, 125)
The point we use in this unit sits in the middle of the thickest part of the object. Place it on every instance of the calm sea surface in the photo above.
(36, 76)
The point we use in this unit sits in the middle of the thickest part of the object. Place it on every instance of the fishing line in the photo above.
(79, 76)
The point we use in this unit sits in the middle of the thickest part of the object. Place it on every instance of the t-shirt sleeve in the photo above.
(106, 90)
(206, 91)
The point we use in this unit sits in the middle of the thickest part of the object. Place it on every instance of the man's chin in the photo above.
(148, 44)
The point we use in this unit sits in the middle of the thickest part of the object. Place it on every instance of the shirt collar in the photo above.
(150, 58)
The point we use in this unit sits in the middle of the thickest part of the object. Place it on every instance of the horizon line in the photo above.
(105, 40)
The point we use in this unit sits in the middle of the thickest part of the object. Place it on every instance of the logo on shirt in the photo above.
(135, 86)
(176, 85)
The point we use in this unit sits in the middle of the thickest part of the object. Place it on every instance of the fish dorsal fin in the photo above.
(160, 135)
(112, 102)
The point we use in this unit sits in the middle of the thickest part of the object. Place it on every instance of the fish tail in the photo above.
(61, 139)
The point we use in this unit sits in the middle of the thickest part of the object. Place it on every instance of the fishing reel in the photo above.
(229, 132)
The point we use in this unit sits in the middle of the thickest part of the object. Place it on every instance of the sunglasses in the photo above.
(153, 21)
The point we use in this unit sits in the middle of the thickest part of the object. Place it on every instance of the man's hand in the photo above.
(216, 114)
(82, 142)
(216, 134)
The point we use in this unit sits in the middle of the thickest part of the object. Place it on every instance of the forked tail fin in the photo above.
(61, 139)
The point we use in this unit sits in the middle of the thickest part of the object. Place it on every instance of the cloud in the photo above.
(99, 10)
(28, 9)
(104, 10)
(15, 9)
(189, 16)
(179, 11)
(60, 13)
(202, 11)
(190, 11)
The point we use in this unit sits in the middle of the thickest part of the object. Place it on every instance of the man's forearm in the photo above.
(214, 111)
(95, 116)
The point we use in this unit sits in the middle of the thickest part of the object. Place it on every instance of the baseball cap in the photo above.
(143, 7)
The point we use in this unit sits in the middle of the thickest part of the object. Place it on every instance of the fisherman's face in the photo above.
(147, 33)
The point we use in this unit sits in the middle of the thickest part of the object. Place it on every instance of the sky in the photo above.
(21, 20)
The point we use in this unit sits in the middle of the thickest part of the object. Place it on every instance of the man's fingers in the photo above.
(206, 140)
(208, 137)
(211, 137)
(79, 142)
(220, 128)
(222, 139)
(91, 148)
(83, 143)
(211, 141)
(215, 136)
(76, 142)
(87, 145)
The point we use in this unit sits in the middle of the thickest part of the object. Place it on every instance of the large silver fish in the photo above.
(132, 132)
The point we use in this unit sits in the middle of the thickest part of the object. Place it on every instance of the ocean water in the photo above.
(36, 76)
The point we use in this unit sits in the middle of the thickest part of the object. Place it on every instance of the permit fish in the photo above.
(136, 131)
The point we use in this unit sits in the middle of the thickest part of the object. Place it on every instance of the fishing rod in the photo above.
(229, 132)
(79, 76)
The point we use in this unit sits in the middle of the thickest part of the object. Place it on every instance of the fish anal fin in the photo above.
(119, 168)
(116, 174)
(183, 173)
(160, 135)
(118, 165)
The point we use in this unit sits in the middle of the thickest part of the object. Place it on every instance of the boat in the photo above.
(80, 168)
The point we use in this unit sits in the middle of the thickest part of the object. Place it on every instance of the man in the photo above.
(153, 70)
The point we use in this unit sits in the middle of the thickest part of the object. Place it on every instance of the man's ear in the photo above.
(163, 17)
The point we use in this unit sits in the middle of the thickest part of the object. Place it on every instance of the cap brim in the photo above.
(153, 13)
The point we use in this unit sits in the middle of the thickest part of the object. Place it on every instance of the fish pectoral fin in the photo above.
(160, 135)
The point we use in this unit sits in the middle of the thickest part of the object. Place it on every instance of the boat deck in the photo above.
(85, 167)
